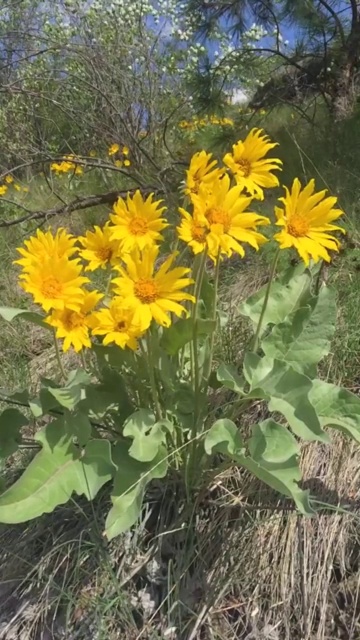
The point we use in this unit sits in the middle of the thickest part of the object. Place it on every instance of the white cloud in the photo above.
(238, 96)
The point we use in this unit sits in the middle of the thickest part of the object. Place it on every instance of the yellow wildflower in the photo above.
(137, 222)
(100, 249)
(92, 153)
(3, 189)
(225, 209)
(45, 245)
(118, 163)
(127, 163)
(152, 294)
(195, 231)
(307, 219)
(73, 326)
(113, 149)
(117, 324)
(251, 169)
(202, 170)
(55, 283)
(9, 179)
(17, 187)
(125, 151)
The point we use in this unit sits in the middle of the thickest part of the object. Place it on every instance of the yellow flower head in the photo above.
(55, 283)
(9, 179)
(251, 169)
(113, 149)
(62, 167)
(225, 209)
(92, 153)
(137, 222)
(127, 163)
(125, 151)
(73, 326)
(99, 248)
(45, 245)
(26, 189)
(3, 189)
(195, 231)
(118, 163)
(202, 170)
(152, 294)
(307, 219)
(117, 325)
(78, 170)
(17, 187)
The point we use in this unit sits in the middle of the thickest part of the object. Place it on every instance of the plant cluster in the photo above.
(138, 299)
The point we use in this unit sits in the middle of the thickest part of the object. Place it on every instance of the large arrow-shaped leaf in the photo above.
(10, 313)
(54, 474)
(287, 391)
(129, 486)
(304, 338)
(273, 456)
(336, 407)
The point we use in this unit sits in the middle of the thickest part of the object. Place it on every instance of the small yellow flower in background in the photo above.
(307, 219)
(225, 209)
(25, 189)
(99, 248)
(137, 222)
(17, 187)
(125, 151)
(127, 163)
(46, 245)
(251, 169)
(202, 170)
(152, 294)
(73, 326)
(195, 232)
(78, 170)
(3, 189)
(263, 112)
(92, 153)
(117, 325)
(55, 283)
(118, 163)
(9, 179)
(113, 149)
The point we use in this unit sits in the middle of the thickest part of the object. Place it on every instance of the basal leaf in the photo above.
(223, 437)
(129, 486)
(228, 375)
(283, 299)
(304, 338)
(336, 407)
(78, 426)
(147, 435)
(54, 474)
(73, 391)
(287, 391)
(11, 421)
(10, 313)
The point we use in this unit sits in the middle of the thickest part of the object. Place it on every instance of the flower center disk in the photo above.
(146, 291)
(138, 226)
(297, 226)
(244, 166)
(51, 288)
(104, 254)
(218, 216)
(73, 320)
(198, 232)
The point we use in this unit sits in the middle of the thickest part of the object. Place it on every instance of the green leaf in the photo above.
(78, 426)
(287, 391)
(336, 407)
(228, 375)
(223, 437)
(10, 313)
(108, 397)
(283, 299)
(54, 474)
(274, 460)
(181, 332)
(71, 394)
(304, 338)
(147, 435)
(129, 487)
(11, 421)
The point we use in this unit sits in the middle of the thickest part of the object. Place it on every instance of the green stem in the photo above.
(207, 373)
(196, 369)
(83, 361)
(58, 357)
(265, 303)
(154, 391)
